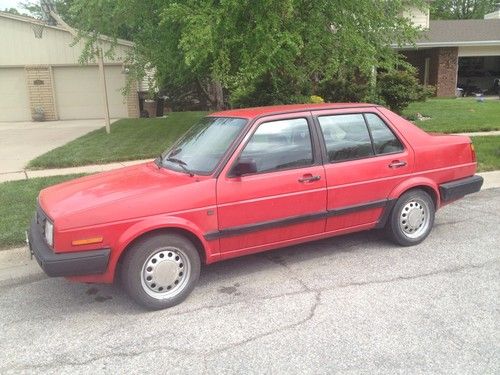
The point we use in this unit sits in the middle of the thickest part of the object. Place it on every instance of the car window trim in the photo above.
(324, 151)
(317, 159)
(389, 128)
(369, 133)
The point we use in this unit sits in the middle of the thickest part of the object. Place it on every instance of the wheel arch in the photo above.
(422, 183)
(168, 229)
(146, 229)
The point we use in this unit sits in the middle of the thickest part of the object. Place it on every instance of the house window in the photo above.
(426, 70)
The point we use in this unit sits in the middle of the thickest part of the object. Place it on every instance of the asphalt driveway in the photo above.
(22, 141)
(354, 304)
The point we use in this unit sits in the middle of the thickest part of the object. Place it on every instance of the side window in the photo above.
(384, 140)
(346, 137)
(279, 145)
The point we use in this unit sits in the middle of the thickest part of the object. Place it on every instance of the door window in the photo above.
(346, 137)
(384, 140)
(278, 145)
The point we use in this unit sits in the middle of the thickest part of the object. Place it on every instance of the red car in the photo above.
(245, 181)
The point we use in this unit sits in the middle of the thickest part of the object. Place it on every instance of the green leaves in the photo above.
(461, 9)
(268, 51)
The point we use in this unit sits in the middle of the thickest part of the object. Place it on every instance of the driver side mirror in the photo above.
(243, 167)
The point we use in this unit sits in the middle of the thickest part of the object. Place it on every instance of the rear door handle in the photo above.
(397, 164)
(309, 178)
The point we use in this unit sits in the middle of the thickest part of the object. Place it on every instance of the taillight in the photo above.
(473, 152)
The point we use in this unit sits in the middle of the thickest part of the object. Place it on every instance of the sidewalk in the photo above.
(27, 174)
(480, 134)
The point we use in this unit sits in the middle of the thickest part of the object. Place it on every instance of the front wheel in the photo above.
(411, 218)
(160, 271)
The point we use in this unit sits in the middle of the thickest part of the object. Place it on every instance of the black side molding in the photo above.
(65, 264)
(234, 231)
(459, 188)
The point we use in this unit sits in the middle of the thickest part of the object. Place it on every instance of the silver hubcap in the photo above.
(165, 273)
(414, 218)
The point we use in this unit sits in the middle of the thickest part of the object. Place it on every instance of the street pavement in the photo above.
(352, 304)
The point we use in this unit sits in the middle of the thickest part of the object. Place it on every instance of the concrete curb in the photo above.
(16, 267)
(491, 179)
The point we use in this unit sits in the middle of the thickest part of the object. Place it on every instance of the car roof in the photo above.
(253, 112)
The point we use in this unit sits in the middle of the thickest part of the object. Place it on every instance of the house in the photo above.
(456, 53)
(39, 68)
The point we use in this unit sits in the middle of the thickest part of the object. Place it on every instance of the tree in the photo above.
(35, 10)
(12, 11)
(461, 9)
(231, 51)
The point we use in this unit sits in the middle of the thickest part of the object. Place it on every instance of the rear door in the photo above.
(365, 160)
(285, 199)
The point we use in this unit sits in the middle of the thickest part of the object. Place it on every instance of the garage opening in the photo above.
(479, 75)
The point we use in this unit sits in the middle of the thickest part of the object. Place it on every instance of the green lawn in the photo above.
(488, 152)
(130, 139)
(17, 207)
(456, 115)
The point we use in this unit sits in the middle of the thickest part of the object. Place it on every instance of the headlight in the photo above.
(49, 232)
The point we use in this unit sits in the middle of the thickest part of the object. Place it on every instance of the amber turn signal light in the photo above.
(87, 241)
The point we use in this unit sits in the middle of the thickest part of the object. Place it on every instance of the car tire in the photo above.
(161, 270)
(412, 218)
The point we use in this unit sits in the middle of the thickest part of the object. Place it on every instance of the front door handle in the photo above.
(309, 178)
(397, 164)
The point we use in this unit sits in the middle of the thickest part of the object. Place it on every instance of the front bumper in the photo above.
(65, 264)
(459, 188)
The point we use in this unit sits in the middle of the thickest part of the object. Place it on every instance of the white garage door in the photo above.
(79, 94)
(14, 104)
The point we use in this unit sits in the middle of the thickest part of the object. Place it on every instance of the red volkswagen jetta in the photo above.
(245, 181)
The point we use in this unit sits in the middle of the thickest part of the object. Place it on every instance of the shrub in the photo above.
(348, 89)
(399, 88)
(271, 89)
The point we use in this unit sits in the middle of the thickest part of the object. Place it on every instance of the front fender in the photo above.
(211, 249)
(165, 222)
(416, 182)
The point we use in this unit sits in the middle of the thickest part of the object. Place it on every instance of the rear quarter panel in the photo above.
(438, 158)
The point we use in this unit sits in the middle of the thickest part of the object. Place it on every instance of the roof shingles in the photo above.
(460, 31)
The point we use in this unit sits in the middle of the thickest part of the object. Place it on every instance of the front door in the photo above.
(284, 198)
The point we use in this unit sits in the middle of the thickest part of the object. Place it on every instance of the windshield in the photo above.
(202, 147)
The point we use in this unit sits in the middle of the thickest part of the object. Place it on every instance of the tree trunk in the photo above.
(216, 95)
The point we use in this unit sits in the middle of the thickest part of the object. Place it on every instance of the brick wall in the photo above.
(443, 67)
(40, 90)
(133, 101)
(447, 70)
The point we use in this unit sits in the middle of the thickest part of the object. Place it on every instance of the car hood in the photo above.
(124, 193)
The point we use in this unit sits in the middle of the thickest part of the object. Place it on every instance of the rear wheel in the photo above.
(160, 271)
(411, 218)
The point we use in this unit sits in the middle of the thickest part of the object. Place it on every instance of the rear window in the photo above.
(346, 137)
(384, 140)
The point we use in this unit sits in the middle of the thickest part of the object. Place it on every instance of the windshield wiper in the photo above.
(159, 161)
(182, 164)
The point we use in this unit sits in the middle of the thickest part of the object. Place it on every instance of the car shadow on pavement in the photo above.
(232, 281)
